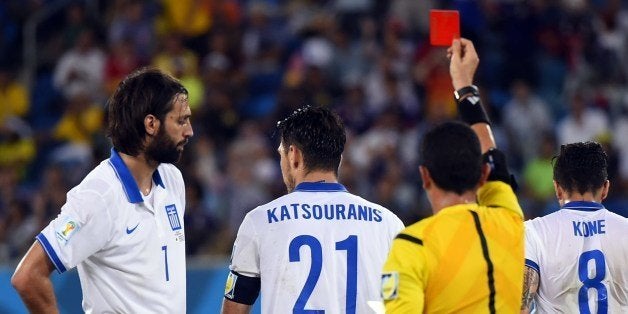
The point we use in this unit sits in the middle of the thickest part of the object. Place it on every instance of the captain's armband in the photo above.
(242, 289)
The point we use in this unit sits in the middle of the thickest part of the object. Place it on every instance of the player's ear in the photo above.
(486, 171)
(151, 124)
(426, 178)
(605, 188)
(295, 156)
(560, 193)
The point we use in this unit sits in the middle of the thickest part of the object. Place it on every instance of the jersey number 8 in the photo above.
(592, 283)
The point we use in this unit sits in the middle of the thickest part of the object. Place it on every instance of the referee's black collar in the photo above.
(320, 187)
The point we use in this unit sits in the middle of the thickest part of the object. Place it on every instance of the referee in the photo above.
(467, 257)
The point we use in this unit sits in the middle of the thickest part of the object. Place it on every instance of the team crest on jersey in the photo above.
(66, 230)
(230, 285)
(173, 217)
(390, 285)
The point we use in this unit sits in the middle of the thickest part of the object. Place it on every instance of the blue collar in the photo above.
(583, 206)
(320, 187)
(128, 182)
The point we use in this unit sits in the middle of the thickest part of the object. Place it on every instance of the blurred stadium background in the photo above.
(551, 72)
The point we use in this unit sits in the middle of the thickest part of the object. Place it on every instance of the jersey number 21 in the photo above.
(350, 245)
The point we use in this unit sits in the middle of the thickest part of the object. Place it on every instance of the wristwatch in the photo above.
(471, 89)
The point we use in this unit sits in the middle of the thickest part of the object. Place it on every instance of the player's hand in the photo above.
(464, 62)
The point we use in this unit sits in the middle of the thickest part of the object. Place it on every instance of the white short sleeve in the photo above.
(82, 228)
(245, 256)
(531, 247)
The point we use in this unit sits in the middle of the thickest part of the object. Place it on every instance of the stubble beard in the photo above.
(162, 149)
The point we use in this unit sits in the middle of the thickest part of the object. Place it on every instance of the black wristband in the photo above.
(471, 89)
(496, 159)
(471, 110)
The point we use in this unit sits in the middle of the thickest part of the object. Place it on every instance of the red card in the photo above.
(444, 27)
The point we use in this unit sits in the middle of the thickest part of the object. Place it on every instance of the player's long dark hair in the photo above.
(146, 91)
(452, 154)
(581, 167)
(319, 133)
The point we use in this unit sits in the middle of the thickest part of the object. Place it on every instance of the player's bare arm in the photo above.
(230, 307)
(530, 288)
(32, 281)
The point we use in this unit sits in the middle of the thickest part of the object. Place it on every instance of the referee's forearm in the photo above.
(484, 133)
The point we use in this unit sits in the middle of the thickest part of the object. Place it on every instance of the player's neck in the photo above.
(597, 195)
(317, 176)
(141, 170)
(441, 199)
(577, 197)
(590, 196)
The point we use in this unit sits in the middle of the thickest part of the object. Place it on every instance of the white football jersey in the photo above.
(129, 251)
(581, 254)
(317, 248)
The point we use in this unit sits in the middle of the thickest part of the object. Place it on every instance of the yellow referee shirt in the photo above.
(467, 258)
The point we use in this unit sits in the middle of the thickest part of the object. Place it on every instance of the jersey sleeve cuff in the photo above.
(51, 253)
(533, 265)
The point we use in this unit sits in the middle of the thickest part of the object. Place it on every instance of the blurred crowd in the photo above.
(551, 72)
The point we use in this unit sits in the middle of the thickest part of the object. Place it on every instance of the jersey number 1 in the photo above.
(350, 245)
(592, 283)
(165, 249)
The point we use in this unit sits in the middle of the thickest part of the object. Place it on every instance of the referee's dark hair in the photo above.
(452, 154)
(146, 91)
(319, 133)
(581, 167)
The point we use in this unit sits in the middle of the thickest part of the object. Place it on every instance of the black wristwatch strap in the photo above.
(471, 89)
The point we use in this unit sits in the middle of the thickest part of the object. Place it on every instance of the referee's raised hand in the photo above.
(464, 62)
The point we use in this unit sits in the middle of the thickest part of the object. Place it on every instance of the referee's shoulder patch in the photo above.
(390, 285)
